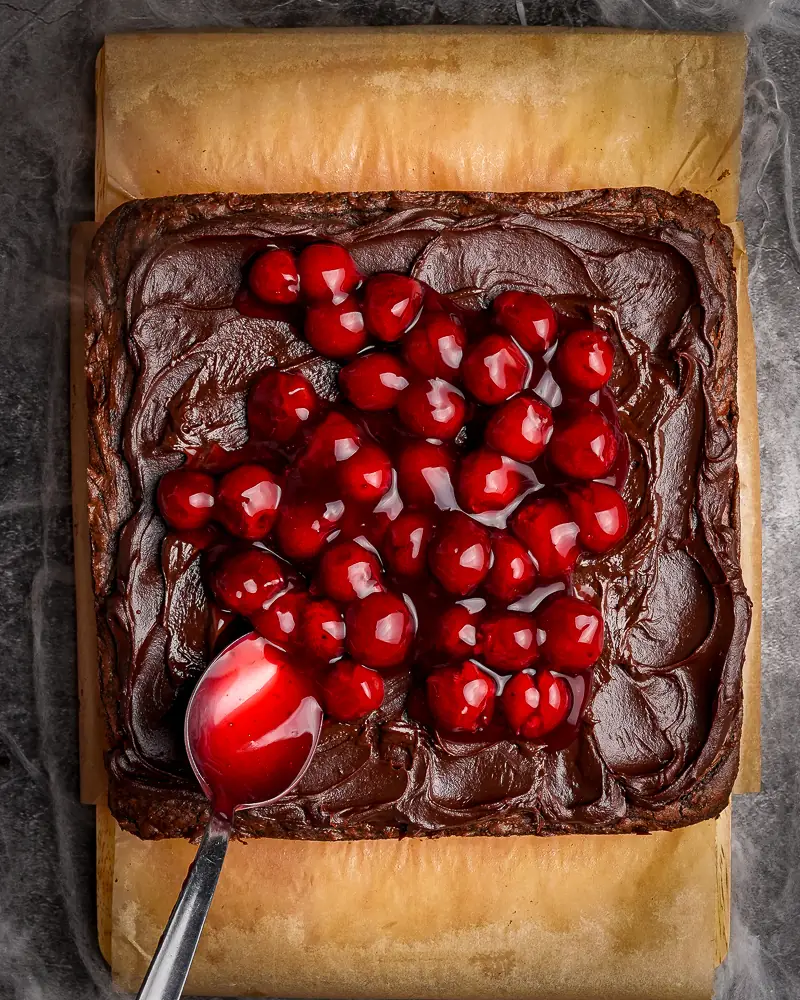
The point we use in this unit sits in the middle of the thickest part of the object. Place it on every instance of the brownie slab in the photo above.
(169, 362)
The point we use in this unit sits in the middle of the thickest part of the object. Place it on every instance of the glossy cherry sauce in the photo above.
(252, 725)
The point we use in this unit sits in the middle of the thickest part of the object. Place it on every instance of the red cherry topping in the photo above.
(374, 381)
(186, 498)
(424, 474)
(546, 527)
(520, 428)
(570, 633)
(336, 330)
(334, 440)
(368, 525)
(494, 369)
(280, 620)
(415, 489)
(435, 347)
(304, 528)
(247, 501)
(351, 691)
(365, 476)
(432, 408)
(583, 444)
(585, 359)
(245, 581)
(322, 630)
(457, 634)
(348, 571)
(279, 404)
(535, 706)
(202, 538)
(512, 573)
(528, 317)
(248, 305)
(327, 273)
(460, 553)
(380, 630)
(461, 698)
(391, 304)
(273, 277)
(508, 641)
(488, 481)
(405, 544)
(600, 513)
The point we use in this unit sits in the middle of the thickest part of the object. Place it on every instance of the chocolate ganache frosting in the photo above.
(170, 359)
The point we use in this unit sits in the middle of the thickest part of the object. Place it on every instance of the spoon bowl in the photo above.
(252, 726)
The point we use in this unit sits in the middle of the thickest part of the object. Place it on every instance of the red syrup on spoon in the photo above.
(251, 726)
(251, 729)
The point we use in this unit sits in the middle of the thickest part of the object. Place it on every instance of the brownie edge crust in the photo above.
(169, 361)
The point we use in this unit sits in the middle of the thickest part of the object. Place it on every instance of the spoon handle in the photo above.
(170, 964)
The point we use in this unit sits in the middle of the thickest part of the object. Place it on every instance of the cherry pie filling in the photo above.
(421, 531)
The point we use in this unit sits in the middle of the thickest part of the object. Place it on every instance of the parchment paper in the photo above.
(589, 917)
(519, 918)
(459, 109)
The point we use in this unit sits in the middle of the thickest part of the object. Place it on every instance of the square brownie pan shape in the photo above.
(659, 743)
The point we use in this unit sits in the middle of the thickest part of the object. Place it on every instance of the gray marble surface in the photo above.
(47, 50)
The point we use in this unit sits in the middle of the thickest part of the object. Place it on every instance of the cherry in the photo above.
(186, 498)
(432, 408)
(334, 440)
(391, 304)
(247, 501)
(460, 554)
(488, 481)
(374, 381)
(424, 474)
(369, 525)
(348, 571)
(280, 620)
(243, 582)
(322, 630)
(512, 573)
(273, 277)
(435, 346)
(327, 273)
(457, 634)
(351, 691)
(585, 359)
(520, 428)
(535, 706)
(508, 641)
(461, 698)
(570, 633)
(545, 526)
(380, 630)
(494, 369)
(529, 319)
(279, 404)
(600, 513)
(405, 544)
(336, 330)
(202, 538)
(365, 476)
(583, 444)
(303, 528)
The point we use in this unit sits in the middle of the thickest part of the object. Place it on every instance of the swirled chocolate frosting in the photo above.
(170, 359)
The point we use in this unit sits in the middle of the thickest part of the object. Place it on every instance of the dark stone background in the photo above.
(47, 52)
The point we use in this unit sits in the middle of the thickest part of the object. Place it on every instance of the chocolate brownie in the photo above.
(173, 349)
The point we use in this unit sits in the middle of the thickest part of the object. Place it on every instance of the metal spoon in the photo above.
(252, 726)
